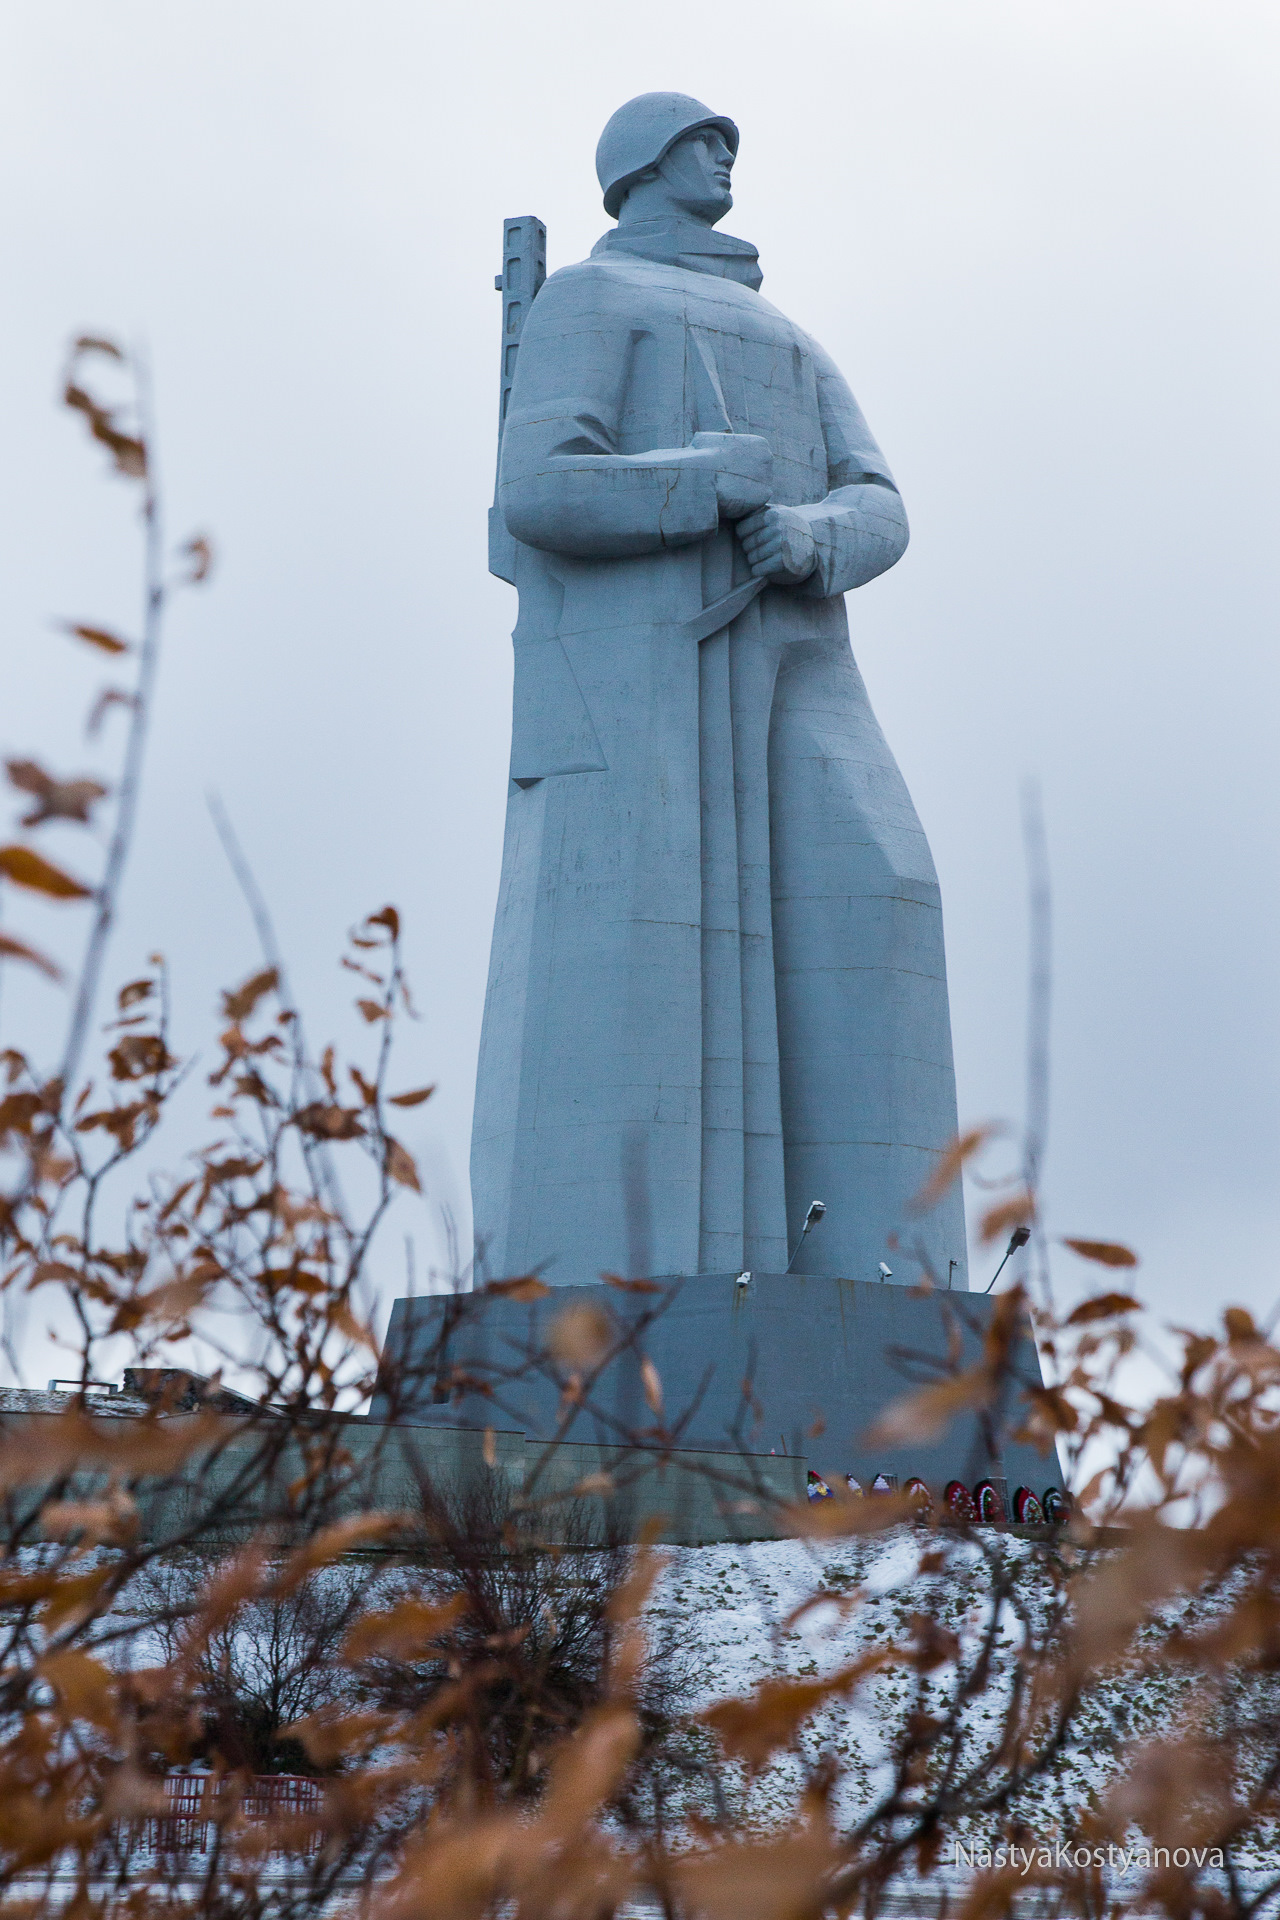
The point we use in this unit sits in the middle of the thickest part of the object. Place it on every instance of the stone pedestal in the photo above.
(792, 1364)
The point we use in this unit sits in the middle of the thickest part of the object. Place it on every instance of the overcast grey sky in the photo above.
(1039, 238)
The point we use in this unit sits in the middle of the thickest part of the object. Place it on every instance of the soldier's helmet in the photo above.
(640, 132)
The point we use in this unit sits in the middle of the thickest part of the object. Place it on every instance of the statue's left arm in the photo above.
(858, 530)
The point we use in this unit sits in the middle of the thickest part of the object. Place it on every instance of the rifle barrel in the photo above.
(524, 268)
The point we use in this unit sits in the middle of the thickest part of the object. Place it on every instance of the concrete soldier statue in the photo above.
(717, 987)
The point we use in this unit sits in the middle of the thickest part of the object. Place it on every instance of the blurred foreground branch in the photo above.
(262, 1654)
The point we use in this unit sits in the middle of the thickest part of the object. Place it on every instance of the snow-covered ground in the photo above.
(729, 1618)
(745, 1614)
(740, 1616)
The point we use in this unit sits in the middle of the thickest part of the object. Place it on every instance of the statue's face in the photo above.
(696, 172)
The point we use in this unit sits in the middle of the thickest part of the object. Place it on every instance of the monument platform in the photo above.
(792, 1364)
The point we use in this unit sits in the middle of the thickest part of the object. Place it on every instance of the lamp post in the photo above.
(816, 1210)
(1018, 1238)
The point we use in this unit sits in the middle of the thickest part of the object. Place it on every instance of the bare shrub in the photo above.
(495, 1716)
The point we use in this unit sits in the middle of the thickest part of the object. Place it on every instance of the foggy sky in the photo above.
(1039, 239)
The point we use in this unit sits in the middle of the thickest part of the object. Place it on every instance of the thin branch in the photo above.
(155, 595)
(1039, 1007)
(260, 914)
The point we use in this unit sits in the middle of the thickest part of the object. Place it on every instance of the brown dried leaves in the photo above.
(924, 1414)
(401, 1167)
(14, 949)
(580, 1336)
(27, 868)
(239, 1004)
(1106, 1253)
(323, 1121)
(54, 799)
(753, 1729)
(525, 1286)
(128, 450)
(100, 637)
(950, 1166)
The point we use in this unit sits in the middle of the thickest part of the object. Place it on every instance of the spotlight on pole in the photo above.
(1018, 1238)
(816, 1210)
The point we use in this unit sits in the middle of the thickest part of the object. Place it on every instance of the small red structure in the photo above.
(198, 1802)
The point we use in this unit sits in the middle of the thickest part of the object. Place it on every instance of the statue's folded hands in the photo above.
(581, 496)
(744, 470)
(779, 544)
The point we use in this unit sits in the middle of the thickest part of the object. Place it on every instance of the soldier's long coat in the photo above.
(717, 989)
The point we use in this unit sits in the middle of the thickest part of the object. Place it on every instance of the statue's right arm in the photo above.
(563, 485)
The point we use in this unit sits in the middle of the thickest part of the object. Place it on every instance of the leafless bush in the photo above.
(496, 1716)
(265, 1668)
